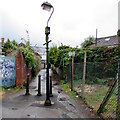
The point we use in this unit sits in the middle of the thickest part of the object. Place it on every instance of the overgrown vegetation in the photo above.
(9, 46)
(87, 42)
(30, 57)
(59, 57)
(29, 54)
(95, 98)
(102, 66)
(67, 89)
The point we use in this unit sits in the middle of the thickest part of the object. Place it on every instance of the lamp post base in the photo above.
(27, 93)
(39, 94)
(51, 95)
(47, 103)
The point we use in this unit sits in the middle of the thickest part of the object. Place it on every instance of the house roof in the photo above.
(39, 50)
(22, 44)
(106, 41)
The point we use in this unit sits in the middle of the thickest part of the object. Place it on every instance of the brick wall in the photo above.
(20, 69)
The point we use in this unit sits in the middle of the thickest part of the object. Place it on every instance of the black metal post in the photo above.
(47, 101)
(27, 85)
(51, 95)
(39, 85)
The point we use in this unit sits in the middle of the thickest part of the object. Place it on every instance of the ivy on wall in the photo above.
(28, 53)
(59, 56)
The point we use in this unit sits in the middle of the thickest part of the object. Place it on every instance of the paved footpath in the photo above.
(17, 105)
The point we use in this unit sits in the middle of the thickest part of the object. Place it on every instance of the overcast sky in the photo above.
(71, 23)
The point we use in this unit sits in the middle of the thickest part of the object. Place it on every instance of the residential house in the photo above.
(41, 51)
(110, 41)
(22, 44)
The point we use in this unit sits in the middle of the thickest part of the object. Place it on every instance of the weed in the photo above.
(62, 82)
(67, 89)
(2, 89)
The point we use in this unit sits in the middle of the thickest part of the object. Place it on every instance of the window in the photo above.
(107, 39)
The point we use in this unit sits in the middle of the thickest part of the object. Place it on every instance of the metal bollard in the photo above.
(27, 85)
(50, 94)
(39, 85)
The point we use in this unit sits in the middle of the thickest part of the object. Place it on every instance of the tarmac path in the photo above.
(18, 105)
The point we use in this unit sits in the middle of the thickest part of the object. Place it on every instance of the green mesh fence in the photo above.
(99, 77)
(77, 74)
(96, 72)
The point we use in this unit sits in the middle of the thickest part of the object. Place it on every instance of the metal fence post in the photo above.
(51, 95)
(39, 85)
(27, 85)
(72, 73)
(84, 73)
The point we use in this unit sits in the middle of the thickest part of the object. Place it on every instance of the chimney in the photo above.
(2, 41)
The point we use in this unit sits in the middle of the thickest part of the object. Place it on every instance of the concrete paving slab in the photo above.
(41, 112)
(18, 105)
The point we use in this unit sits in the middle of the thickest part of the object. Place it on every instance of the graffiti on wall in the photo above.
(7, 71)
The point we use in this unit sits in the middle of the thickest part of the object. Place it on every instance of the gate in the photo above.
(7, 71)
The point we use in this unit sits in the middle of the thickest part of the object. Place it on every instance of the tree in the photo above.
(9, 46)
(53, 54)
(14, 43)
(88, 41)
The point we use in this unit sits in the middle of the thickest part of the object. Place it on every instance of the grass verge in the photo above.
(66, 88)
(96, 97)
(4, 90)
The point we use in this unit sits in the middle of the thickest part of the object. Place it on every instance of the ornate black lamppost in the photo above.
(47, 6)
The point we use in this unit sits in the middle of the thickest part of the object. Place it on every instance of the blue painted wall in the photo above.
(7, 71)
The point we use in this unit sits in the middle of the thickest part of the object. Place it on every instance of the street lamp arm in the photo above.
(50, 15)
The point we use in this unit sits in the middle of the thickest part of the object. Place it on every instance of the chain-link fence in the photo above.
(99, 77)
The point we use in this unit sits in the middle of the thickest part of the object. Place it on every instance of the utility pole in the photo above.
(96, 37)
